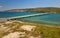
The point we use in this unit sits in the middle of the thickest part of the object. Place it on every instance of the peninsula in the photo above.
(44, 10)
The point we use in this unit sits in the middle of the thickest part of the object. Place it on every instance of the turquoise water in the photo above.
(13, 14)
(46, 19)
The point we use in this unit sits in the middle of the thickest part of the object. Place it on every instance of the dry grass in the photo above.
(43, 30)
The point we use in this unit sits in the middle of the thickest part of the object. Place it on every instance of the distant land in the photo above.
(44, 10)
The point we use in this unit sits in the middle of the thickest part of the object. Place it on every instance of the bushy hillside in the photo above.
(47, 9)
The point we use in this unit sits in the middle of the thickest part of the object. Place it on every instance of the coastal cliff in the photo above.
(44, 10)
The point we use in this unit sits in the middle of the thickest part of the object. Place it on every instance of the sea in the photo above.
(44, 19)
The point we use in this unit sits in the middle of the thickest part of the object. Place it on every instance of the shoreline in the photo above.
(44, 24)
(57, 26)
(13, 26)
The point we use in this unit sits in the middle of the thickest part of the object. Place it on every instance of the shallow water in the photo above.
(13, 14)
(47, 19)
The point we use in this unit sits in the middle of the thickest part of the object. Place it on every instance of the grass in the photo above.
(41, 29)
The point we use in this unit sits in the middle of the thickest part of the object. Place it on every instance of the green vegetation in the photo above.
(48, 32)
(44, 10)
(41, 29)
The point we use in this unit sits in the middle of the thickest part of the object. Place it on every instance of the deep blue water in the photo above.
(47, 19)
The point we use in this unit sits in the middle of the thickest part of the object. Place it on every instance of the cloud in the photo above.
(1, 6)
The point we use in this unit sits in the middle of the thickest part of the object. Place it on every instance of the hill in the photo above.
(44, 10)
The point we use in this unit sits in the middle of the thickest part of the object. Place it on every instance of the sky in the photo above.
(22, 4)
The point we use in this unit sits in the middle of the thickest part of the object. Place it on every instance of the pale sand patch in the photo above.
(27, 27)
(2, 27)
(19, 21)
(8, 22)
(15, 35)
(3, 19)
(34, 37)
(31, 37)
